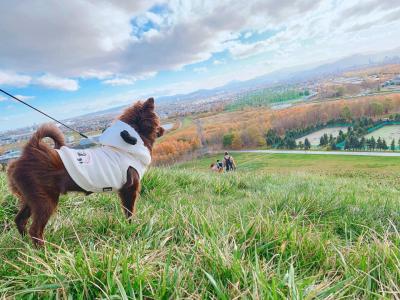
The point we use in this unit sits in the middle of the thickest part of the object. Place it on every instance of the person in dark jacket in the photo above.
(228, 161)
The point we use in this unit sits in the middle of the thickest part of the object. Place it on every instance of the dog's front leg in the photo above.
(129, 192)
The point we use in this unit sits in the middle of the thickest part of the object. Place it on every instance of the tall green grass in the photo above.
(258, 234)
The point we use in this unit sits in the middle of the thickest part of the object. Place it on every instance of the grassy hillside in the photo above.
(329, 165)
(280, 227)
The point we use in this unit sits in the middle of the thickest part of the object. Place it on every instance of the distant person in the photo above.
(220, 165)
(229, 162)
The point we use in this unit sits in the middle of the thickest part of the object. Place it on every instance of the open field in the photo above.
(282, 226)
(321, 152)
(314, 137)
(331, 165)
(266, 97)
(389, 133)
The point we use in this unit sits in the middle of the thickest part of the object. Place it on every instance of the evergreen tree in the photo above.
(307, 144)
(292, 144)
(272, 138)
(347, 144)
(373, 143)
(384, 145)
(379, 143)
(349, 130)
(393, 146)
(354, 144)
(369, 144)
(341, 137)
(362, 143)
(289, 142)
(322, 141)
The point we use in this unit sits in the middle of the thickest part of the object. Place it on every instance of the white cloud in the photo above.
(218, 62)
(47, 80)
(112, 42)
(2, 98)
(89, 74)
(66, 39)
(200, 69)
(330, 30)
(101, 38)
(14, 79)
(240, 50)
(151, 34)
(24, 97)
(154, 18)
(54, 82)
(118, 81)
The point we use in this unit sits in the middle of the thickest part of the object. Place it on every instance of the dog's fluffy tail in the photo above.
(50, 131)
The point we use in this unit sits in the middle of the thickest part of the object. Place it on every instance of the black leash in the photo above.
(43, 113)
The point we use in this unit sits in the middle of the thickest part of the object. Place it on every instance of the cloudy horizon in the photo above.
(75, 57)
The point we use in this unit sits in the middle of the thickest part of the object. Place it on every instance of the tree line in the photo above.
(353, 139)
(248, 128)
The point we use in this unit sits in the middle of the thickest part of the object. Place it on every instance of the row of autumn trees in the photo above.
(295, 122)
(248, 128)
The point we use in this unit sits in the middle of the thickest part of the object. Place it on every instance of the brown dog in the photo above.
(39, 176)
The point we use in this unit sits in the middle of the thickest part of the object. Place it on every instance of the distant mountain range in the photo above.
(285, 76)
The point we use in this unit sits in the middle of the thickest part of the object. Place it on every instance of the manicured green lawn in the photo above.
(314, 137)
(388, 133)
(282, 226)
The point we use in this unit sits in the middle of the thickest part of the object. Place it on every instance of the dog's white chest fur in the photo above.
(105, 168)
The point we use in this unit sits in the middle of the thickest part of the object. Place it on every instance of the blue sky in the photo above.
(75, 57)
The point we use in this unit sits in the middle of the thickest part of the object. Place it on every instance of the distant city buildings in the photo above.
(9, 155)
(8, 139)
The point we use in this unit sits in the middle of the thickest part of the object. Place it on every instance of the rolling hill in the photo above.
(280, 227)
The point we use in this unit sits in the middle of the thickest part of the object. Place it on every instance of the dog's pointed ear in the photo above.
(160, 131)
(149, 104)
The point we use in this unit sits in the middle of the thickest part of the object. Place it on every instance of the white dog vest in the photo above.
(104, 169)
